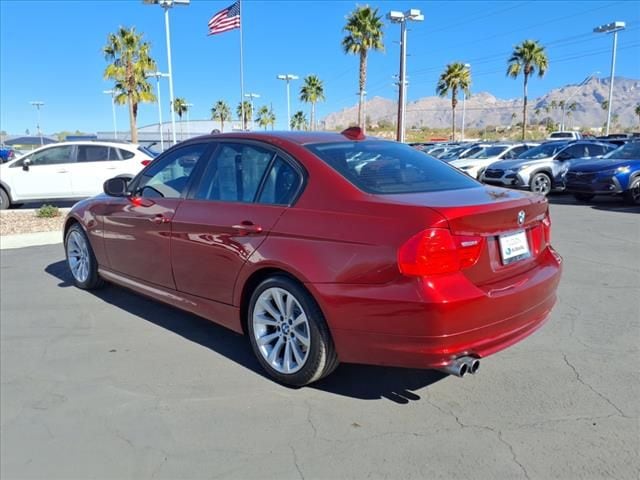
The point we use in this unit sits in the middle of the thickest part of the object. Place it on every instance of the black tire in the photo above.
(541, 183)
(5, 202)
(321, 358)
(583, 197)
(632, 194)
(92, 280)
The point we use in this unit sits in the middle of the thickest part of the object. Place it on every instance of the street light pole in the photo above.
(250, 96)
(38, 104)
(112, 92)
(159, 75)
(166, 5)
(613, 27)
(287, 77)
(402, 18)
(464, 106)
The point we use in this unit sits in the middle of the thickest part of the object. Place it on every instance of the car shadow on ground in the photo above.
(600, 202)
(363, 382)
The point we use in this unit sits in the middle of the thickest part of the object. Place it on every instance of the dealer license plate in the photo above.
(514, 247)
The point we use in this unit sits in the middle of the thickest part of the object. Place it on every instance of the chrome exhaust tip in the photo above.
(458, 367)
(461, 366)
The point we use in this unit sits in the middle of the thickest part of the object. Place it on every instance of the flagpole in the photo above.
(241, 70)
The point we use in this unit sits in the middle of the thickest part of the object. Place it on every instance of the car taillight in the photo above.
(546, 225)
(436, 251)
(146, 162)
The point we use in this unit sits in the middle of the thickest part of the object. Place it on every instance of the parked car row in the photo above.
(68, 171)
(583, 166)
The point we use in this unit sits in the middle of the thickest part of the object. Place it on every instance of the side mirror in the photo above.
(116, 187)
(25, 164)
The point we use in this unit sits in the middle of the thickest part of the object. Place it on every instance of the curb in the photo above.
(24, 240)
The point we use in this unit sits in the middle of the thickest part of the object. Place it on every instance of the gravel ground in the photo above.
(25, 221)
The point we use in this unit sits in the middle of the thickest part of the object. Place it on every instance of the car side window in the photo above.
(235, 173)
(517, 151)
(121, 154)
(281, 184)
(93, 153)
(596, 150)
(53, 156)
(169, 177)
(575, 151)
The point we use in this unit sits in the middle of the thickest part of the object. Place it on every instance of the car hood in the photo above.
(591, 165)
(519, 162)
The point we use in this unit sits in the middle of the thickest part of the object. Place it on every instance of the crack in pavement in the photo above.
(602, 396)
(295, 461)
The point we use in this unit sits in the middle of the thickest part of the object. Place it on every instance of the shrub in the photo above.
(48, 211)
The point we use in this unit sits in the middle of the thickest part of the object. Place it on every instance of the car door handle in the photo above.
(159, 219)
(247, 228)
(62, 171)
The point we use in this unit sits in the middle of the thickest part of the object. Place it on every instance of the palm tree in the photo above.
(364, 33)
(312, 92)
(271, 117)
(570, 109)
(455, 77)
(263, 117)
(299, 121)
(221, 112)
(130, 60)
(637, 111)
(526, 58)
(180, 107)
(248, 113)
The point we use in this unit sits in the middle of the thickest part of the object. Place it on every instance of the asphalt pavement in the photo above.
(110, 385)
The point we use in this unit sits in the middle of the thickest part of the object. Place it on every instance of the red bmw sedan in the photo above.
(324, 248)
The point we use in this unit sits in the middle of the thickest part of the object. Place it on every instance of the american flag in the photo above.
(226, 19)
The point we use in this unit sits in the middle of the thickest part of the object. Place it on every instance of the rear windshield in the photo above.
(148, 151)
(561, 135)
(388, 167)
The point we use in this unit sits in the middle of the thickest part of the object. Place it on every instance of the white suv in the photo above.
(68, 171)
(476, 163)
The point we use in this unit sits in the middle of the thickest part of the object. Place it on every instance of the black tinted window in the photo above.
(96, 153)
(53, 156)
(389, 167)
(281, 184)
(124, 154)
(169, 176)
(235, 173)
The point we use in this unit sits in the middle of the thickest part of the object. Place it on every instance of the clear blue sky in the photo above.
(51, 51)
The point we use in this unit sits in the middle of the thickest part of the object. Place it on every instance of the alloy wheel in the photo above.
(78, 256)
(541, 184)
(281, 330)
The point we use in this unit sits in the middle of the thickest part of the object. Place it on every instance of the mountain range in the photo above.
(484, 109)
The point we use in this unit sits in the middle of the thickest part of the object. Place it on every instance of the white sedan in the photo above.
(475, 164)
(68, 171)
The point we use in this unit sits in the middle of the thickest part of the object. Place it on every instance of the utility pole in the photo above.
(613, 27)
(38, 105)
(287, 77)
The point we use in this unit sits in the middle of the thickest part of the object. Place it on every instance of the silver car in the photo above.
(542, 169)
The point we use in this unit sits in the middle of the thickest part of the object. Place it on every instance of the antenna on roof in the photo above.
(353, 133)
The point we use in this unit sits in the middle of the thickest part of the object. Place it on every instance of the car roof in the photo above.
(299, 137)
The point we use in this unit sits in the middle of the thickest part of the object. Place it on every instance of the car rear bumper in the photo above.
(426, 324)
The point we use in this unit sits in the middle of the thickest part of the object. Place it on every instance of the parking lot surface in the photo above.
(112, 385)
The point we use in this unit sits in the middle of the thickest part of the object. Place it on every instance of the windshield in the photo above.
(543, 151)
(489, 152)
(630, 151)
(387, 167)
(451, 154)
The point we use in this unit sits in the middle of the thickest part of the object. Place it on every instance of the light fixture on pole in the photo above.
(565, 103)
(288, 77)
(413, 15)
(250, 96)
(112, 92)
(613, 27)
(166, 5)
(188, 105)
(157, 76)
(464, 105)
(38, 105)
